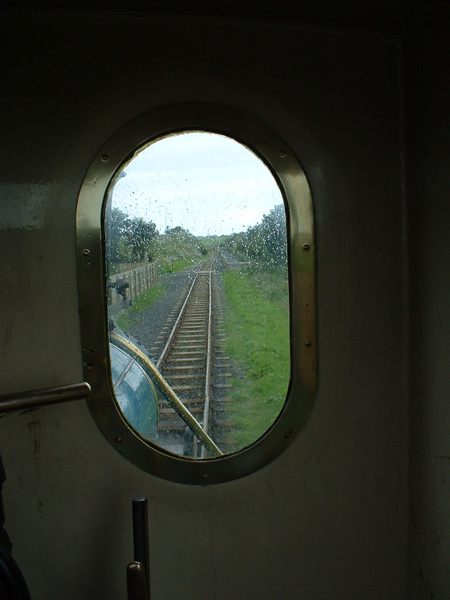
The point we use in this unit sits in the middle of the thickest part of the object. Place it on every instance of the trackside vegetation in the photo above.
(131, 240)
(256, 307)
(257, 327)
(177, 249)
(264, 244)
(144, 301)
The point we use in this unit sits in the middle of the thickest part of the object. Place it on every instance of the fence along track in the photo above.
(192, 361)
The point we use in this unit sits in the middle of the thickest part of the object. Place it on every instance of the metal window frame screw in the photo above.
(105, 158)
(306, 246)
(308, 343)
(118, 439)
(283, 153)
(86, 252)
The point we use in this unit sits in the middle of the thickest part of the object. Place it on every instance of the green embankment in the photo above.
(125, 318)
(178, 249)
(257, 327)
(175, 266)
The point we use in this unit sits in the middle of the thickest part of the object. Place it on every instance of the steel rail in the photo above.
(166, 348)
(207, 405)
(179, 407)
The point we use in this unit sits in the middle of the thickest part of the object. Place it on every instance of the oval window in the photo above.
(196, 251)
(200, 344)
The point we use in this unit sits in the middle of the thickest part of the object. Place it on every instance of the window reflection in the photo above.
(196, 255)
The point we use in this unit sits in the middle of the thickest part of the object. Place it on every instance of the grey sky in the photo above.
(207, 183)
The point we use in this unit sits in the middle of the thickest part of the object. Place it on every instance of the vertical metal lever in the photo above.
(136, 582)
(138, 572)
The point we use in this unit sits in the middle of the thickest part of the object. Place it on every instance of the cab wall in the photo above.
(327, 519)
(428, 93)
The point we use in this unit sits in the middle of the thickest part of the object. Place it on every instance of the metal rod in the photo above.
(140, 537)
(36, 398)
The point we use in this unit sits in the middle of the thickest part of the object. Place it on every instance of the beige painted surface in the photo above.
(325, 520)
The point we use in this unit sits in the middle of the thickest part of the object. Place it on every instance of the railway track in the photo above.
(193, 361)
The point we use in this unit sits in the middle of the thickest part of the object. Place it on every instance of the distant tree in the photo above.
(128, 240)
(265, 243)
(116, 226)
(272, 233)
(139, 238)
(178, 231)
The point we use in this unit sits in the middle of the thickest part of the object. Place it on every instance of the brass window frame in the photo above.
(287, 170)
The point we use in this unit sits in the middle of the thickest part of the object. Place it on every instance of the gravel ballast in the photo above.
(148, 324)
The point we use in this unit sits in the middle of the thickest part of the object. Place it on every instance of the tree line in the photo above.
(131, 240)
(264, 244)
(137, 240)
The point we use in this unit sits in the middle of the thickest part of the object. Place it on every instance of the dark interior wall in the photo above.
(428, 124)
(327, 519)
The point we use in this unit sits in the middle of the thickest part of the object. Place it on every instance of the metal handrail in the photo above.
(43, 397)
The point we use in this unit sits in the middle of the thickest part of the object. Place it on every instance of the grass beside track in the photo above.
(257, 327)
(126, 318)
(175, 266)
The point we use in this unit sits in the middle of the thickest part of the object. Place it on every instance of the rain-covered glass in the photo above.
(198, 295)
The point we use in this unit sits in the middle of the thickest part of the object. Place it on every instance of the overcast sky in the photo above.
(207, 183)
